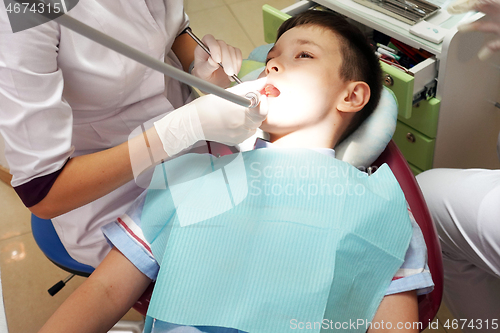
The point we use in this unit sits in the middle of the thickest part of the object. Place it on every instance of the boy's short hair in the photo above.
(359, 62)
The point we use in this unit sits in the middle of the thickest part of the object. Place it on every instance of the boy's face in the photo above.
(304, 67)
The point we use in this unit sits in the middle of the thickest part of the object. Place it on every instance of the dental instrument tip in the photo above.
(254, 99)
(205, 48)
(235, 78)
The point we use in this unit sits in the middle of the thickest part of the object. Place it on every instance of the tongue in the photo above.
(270, 91)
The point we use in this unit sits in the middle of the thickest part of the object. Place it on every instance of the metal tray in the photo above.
(408, 11)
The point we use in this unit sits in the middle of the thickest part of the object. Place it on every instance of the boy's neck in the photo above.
(305, 138)
(325, 133)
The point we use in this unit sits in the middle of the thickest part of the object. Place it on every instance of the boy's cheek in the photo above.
(262, 74)
(271, 129)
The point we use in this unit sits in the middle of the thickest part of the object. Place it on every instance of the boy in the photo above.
(323, 80)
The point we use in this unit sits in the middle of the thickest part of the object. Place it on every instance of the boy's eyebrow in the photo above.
(306, 42)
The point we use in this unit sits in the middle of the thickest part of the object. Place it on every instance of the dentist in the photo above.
(68, 107)
(465, 205)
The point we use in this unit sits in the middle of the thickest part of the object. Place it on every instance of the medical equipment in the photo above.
(250, 100)
(205, 48)
(52, 247)
(407, 11)
(428, 304)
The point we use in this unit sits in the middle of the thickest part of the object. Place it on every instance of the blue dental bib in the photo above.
(267, 240)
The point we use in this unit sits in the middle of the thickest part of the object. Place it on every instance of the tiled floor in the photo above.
(25, 273)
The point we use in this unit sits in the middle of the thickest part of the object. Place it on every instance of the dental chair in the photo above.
(375, 135)
(49, 242)
(368, 148)
(428, 305)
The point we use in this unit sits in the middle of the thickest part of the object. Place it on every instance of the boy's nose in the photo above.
(273, 66)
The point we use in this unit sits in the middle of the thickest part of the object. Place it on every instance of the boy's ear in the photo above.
(354, 97)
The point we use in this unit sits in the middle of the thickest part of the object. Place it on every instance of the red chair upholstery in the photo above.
(428, 305)
(142, 303)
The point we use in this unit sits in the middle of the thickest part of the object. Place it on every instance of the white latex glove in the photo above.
(212, 118)
(207, 67)
(492, 10)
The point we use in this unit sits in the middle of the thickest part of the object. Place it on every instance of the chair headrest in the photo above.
(364, 145)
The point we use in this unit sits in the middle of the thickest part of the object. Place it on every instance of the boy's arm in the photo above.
(400, 310)
(102, 300)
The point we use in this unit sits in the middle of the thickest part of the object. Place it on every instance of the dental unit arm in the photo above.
(250, 100)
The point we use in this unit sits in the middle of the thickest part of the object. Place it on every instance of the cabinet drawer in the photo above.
(401, 85)
(417, 148)
(411, 85)
(424, 117)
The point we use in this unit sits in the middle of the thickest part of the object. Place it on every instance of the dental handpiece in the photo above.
(205, 48)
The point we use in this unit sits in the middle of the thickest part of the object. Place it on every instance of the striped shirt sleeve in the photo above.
(414, 274)
(126, 235)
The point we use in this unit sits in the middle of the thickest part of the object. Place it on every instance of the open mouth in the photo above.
(270, 91)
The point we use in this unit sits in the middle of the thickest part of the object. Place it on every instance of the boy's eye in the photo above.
(267, 60)
(304, 55)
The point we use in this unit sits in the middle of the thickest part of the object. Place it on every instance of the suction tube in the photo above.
(146, 60)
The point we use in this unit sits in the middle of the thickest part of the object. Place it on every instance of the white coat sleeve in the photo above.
(35, 121)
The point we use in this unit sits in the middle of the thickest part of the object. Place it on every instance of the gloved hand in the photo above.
(207, 67)
(212, 118)
(492, 9)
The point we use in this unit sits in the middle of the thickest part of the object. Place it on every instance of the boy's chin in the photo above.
(268, 128)
(271, 128)
(264, 126)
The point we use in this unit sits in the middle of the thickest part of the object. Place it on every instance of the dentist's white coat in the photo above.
(62, 95)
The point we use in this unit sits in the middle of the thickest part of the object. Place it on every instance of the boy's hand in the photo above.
(492, 10)
(207, 67)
